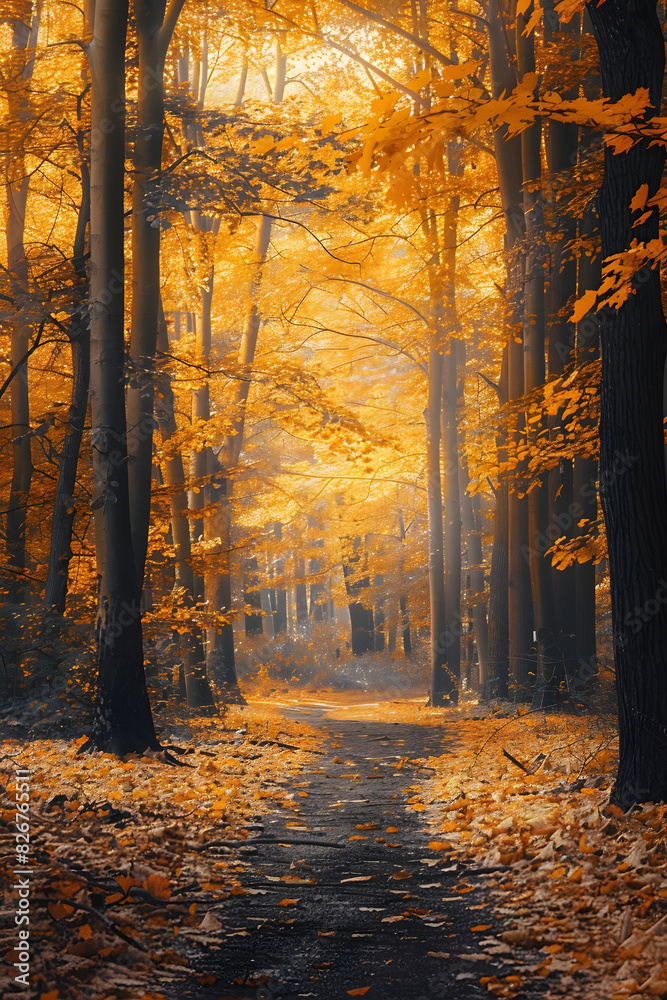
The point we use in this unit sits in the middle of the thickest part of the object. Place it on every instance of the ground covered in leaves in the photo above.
(142, 870)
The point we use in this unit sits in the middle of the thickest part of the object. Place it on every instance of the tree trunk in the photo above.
(280, 612)
(452, 518)
(217, 527)
(197, 689)
(19, 72)
(519, 596)
(154, 27)
(253, 599)
(561, 150)
(586, 469)
(471, 524)
(498, 679)
(55, 594)
(379, 617)
(122, 718)
(361, 618)
(548, 666)
(634, 347)
(220, 659)
(405, 625)
(301, 592)
(436, 559)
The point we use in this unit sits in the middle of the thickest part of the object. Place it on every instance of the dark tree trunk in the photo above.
(18, 73)
(586, 469)
(471, 517)
(379, 619)
(197, 689)
(405, 625)
(154, 26)
(122, 719)
(519, 597)
(498, 680)
(452, 518)
(361, 618)
(561, 141)
(632, 469)
(253, 599)
(280, 610)
(301, 590)
(436, 557)
(55, 593)
(220, 639)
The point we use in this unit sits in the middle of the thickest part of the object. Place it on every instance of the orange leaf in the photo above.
(639, 199)
(60, 910)
(288, 902)
(439, 845)
(158, 886)
(359, 992)
(584, 847)
(480, 927)
(584, 305)
(125, 882)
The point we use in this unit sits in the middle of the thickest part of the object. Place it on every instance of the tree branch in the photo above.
(415, 39)
(168, 25)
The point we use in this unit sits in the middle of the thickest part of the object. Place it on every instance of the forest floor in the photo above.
(440, 868)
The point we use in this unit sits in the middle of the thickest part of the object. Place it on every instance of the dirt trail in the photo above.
(388, 917)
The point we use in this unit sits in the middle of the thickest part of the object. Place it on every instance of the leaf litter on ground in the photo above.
(122, 880)
(576, 890)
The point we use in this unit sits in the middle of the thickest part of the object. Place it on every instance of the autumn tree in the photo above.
(122, 720)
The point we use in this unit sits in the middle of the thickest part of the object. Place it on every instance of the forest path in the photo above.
(386, 918)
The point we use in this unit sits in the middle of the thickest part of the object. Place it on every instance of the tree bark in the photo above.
(634, 347)
(154, 26)
(548, 667)
(498, 671)
(60, 553)
(586, 469)
(280, 613)
(253, 599)
(436, 559)
(452, 516)
(197, 689)
(361, 618)
(561, 151)
(22, 58)
(122, 718)
(471, 525)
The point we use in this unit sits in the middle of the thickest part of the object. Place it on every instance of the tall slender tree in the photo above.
(122, 716)
(21, 65)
